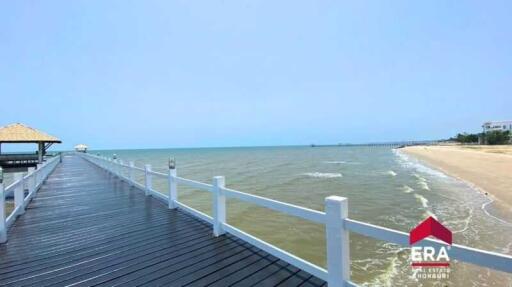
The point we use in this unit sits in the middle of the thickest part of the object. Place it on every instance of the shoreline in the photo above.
(481, 167)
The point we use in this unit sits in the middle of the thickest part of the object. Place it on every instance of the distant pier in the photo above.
(384, 144)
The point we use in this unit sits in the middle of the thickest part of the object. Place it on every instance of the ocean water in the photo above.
(383, 187)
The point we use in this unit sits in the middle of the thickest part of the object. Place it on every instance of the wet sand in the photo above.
(489, 168)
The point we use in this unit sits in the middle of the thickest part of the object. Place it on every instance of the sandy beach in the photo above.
(489, 168)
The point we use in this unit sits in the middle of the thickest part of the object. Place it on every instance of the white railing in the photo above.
(32, 181)
(335, 218)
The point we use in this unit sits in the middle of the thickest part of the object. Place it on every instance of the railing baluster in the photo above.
(173, 191)
(219, 205)
(338, 258)
(115, 167)
(130, 173)
(38, 174)
(147, 169)
(121, 168)
(19, 193)
(3, 227)
(31, 181)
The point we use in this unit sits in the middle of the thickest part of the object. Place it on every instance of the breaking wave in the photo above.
(390, 172)
(422, 200)
(424, 185)
(407, 189)
(323, 175)
(421, 181)
(407, 161)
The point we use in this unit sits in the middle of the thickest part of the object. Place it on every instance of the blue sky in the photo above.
(137, 74)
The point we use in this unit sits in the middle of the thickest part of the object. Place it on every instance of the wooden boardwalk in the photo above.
(87, 228)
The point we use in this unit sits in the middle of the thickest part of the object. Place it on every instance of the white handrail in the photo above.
(34, 179)
(338, 225)
(194, 184)
(290, 209)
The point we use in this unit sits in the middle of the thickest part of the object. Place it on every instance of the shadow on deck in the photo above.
(87, 228)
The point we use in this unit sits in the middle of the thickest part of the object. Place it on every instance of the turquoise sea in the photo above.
(383, 186)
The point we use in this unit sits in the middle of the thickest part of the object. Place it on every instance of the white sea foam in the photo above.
(422, 199)
(407, 161)
(394, 264)
(424, 185)
(419, 177)
(465, 222)
(323, 174)
(407, 189)
(390, 172)
(484, 208)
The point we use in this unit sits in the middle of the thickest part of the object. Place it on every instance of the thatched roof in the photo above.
(20, 133)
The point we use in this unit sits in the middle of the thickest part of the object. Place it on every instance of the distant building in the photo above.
(497, 126)
(81, 148)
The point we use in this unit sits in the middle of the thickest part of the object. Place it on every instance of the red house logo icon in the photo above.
(429, 256)
(430, 227)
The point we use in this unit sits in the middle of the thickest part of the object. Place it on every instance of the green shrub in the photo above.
(497, 137)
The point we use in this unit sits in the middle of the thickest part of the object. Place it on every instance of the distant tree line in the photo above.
(466, 138)
(490, 138)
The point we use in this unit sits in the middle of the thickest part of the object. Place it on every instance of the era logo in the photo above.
(429, 256)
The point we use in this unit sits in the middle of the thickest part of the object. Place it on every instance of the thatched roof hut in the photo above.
(20, 133)
(81, 148)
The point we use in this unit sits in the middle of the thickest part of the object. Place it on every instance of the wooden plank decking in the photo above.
(86, 228)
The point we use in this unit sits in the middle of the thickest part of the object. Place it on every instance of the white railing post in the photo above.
(31, 180)
(116, 167)
(338, 245)
(19, 193)
(114, 160)
(3, 226)
(130, 173)
(147, 181)
(173, 191)
(219, 205)
(121, 168)
(38, 175)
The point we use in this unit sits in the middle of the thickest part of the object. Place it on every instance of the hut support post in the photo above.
(19, 193)
(147, 173)
(219, 205)
(37, 177)
(338, 260)
(40, 151)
